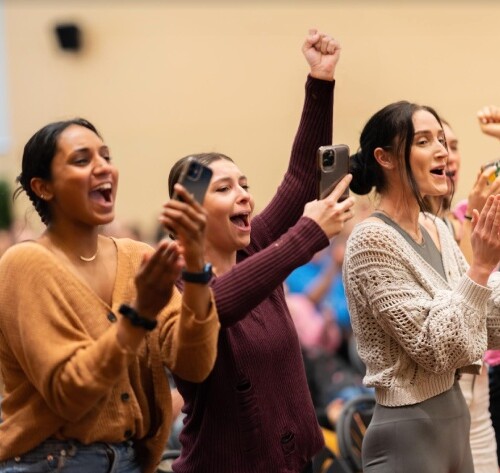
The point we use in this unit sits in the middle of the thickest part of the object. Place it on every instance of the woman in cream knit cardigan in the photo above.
(419, 312)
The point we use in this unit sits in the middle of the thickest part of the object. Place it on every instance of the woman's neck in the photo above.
(221, 262)
(404, 213)
(440, 206)
(78, 244)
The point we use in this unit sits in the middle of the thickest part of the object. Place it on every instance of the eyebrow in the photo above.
(227, 178)
(86, 148)
(422, 132)
(428, 131)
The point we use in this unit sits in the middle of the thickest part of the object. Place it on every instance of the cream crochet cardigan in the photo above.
(414, 329)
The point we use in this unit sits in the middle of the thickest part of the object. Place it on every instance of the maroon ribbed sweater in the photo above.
(254, 413)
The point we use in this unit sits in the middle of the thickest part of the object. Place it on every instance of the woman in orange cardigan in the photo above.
(88, 323)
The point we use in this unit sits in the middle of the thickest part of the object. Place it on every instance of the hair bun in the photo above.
(363, 179)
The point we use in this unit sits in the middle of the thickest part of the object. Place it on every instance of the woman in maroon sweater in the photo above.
(254, 412)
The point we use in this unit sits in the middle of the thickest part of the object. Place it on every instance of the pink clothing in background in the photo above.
(460, 209)
(492, 357)
(313, 329)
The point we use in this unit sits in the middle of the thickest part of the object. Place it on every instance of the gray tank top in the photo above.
(427, 249)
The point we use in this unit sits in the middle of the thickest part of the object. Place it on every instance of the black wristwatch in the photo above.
(135, 319)
(202, 277)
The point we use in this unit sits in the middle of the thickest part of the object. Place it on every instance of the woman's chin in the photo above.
(243, 242)
(104, 220)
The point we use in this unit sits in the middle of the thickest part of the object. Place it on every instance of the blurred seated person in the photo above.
(332, 375)
(320, 280)
(317, 328)
(332, 380)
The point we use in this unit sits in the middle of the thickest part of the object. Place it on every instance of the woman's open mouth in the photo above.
(241, 220)
(102, 193)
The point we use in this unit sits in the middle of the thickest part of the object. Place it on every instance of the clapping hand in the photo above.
(159, 271)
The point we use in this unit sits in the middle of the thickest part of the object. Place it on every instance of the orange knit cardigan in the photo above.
(65, 374)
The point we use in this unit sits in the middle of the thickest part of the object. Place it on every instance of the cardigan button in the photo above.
(112, 317)
(128, 433)
(125, 397)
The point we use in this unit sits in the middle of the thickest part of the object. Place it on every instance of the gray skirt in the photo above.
(428, 437)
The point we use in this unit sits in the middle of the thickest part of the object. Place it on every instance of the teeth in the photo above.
(243, 216)
(103, 187)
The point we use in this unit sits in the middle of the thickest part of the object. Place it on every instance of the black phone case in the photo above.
(195, 177)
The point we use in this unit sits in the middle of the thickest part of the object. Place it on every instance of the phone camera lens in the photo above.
(328, 158)
(193, 170)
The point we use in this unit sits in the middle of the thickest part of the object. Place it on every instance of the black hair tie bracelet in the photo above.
(135, 319)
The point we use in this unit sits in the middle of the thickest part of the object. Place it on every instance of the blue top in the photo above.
(302, 279)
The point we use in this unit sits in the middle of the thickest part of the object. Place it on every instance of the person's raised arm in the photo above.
(250, 281)
(489, 120)
(322, 53)
(489, 123)
(299, 185)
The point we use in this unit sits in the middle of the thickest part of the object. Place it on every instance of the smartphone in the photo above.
(495, 173)
(195, 177)
(333, 165)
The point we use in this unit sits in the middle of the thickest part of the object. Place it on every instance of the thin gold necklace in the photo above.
(91, 258)
(85, 259)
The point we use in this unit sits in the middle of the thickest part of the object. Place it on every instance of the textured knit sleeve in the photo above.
(250, 281)
(189, 345)
(299, 185)
(39, 320)
(493, 320)
(390, 288)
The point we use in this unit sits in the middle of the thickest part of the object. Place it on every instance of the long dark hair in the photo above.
(391, 128)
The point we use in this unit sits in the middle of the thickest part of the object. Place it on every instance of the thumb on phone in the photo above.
(339, 189)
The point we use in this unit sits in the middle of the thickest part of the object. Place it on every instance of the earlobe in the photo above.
(41, 188)
(384, 158)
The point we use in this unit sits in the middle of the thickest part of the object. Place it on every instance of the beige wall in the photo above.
(163, 79)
